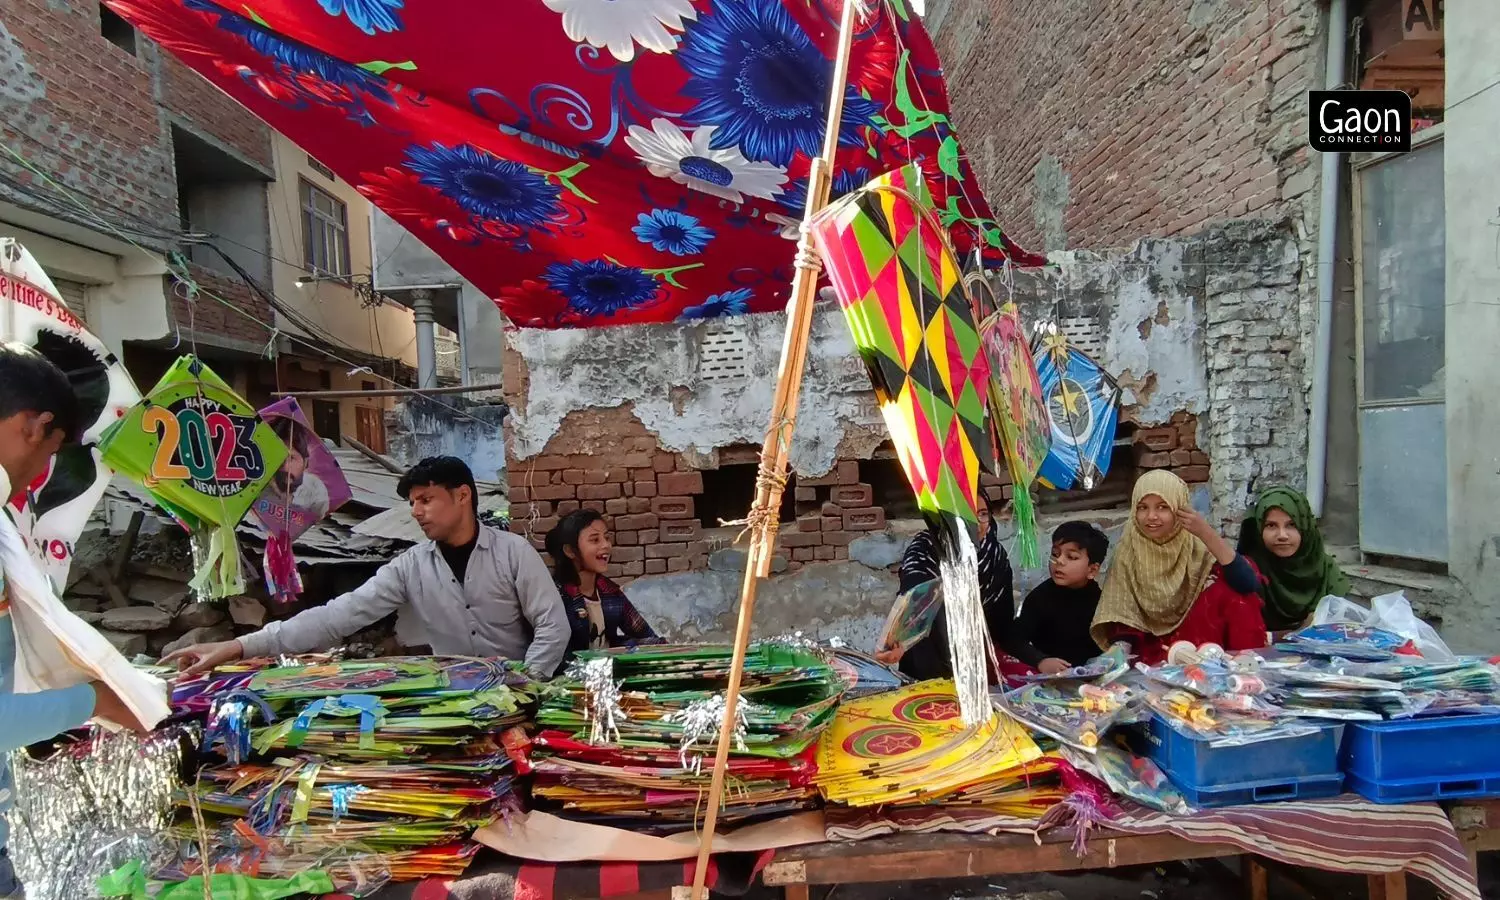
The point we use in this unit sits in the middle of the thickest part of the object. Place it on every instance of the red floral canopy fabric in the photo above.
(591, 162)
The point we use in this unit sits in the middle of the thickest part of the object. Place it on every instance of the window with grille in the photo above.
(325, 231)
(722, 357)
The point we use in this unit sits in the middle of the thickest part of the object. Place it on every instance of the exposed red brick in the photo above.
(673, 507)
(677, 564)
(680, 530)
(554, 492)
(1193, 474)
(566, 506)
(804, 554)
(1199, 458)
(540, 527)
(681, 483)
(634, 522)
(664, 462)
(847, 471)
(616, 507)
(573, 476)
(853, 496)
(1181, 457)
(832, 523)
(869, 519)
(666, 551)
(656, 567)
(1153, 460)
(633, 568)
(1157, 440)
(626, 538)
(801, 539)
(649, 536)
(592, 476)
(839, 538)
(805, 494)
(595, 505)
(810, 523)
(519, 494)
(824, 553)
(645, 489)
(626, 554)
(635, 505)
(600, 492)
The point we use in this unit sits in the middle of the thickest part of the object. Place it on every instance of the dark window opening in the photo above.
(888, 483)
(116, 30)
(367, 385)
(325, 379)
(326, 421)
(728, 492)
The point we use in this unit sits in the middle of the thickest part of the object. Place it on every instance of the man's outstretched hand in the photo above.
(200, 658)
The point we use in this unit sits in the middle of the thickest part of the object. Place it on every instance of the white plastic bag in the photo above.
(1388, 612)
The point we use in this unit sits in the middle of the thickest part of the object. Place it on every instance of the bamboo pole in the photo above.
(763, 519)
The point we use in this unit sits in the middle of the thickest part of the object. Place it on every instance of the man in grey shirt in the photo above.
(474, 590)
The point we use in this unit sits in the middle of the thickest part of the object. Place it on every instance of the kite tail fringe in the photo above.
(1028, 545)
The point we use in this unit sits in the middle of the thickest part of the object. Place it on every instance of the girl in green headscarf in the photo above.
(1281, 537)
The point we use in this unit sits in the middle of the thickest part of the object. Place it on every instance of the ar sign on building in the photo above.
(52, 512)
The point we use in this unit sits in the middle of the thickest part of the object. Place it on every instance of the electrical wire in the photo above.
(176, 265)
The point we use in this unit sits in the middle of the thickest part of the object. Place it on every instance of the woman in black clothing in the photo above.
(929, 657)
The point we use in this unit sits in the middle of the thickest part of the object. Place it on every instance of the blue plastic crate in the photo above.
(1441, 748)
(1317, 787)
(1195, 764)
(1413, 790)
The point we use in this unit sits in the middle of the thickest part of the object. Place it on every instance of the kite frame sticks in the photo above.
(763, 521)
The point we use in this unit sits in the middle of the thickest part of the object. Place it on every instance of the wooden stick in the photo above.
(384, 462)
(773, 455)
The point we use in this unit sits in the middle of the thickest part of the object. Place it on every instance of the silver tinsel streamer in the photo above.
(77, 817)
(602, 708)
(701, 721)
(968, 637)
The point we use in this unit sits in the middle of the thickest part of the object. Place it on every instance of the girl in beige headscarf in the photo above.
(1174, 579)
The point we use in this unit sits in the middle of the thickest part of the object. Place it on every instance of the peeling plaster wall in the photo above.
(1210, 325)
(656, 369)
(1145, 306)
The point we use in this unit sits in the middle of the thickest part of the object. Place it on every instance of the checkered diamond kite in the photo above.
(901, 288)
(902, 292)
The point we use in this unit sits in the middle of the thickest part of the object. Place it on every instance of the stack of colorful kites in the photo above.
(365, 770)
(629, 735)
(910, 748)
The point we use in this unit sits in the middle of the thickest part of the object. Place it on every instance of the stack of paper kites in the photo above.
(1083, 405)
(910, 748)
(629, 736)
(365, 770)
(204, 455)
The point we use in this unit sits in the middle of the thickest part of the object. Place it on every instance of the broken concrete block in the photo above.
(128, 644)
(199, 615)
(135, 619)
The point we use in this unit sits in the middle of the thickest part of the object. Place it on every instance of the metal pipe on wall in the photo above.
(1328, 228)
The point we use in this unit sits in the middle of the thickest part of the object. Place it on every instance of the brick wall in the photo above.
(1093, 124)
(212, 321)
(81, 110)
(210, 111)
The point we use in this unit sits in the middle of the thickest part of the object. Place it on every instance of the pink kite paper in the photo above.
(308, 486)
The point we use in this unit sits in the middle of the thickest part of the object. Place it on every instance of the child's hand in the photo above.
(1194, 524)
(1053, 666)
